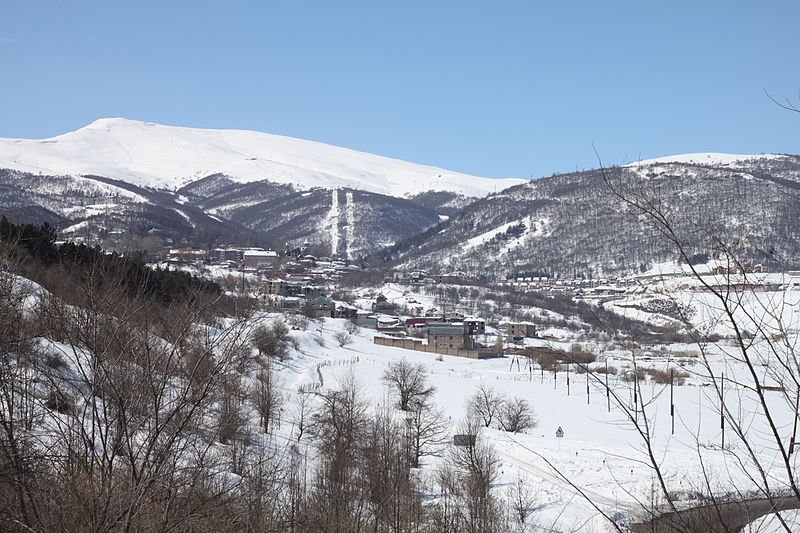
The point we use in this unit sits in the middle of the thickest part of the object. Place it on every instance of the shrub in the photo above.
(343, 338)
(664, 378)
(630, 375)
(273, 340)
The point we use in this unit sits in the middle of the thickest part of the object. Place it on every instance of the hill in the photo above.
(571, 225)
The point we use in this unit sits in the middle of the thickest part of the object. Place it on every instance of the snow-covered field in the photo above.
(600, 465)
(602, 468)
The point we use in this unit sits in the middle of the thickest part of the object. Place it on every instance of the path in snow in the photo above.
(604, 501)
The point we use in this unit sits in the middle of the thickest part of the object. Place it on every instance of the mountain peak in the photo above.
(154, 155)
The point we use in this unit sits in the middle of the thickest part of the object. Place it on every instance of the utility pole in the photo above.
(608, 391)
(568, 366)
(588, 400)
(672, 397)
(722, 409)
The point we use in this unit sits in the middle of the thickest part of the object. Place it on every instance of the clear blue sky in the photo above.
(494, 88)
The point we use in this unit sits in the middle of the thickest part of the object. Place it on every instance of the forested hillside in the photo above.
(573, 225)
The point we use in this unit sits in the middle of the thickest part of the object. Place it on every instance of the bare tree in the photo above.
(267, 397)
(351, 327)
(409, 382)
(300, 414)
(473, 469)
(758, 354)
(426, 430)
(485, 405)
(339, 424)
(522, 501)
(516, 415)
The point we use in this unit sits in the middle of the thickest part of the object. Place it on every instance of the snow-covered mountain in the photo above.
(151, 155)
(118, 176)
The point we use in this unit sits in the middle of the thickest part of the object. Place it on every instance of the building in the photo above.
(474, 326)
(260, 259)
(346, 311)
(223, 255)
(519, 330)
(323, 306)
(446, 337)
(416, 327)
(277, 286)
(382, 305)
(186, 255)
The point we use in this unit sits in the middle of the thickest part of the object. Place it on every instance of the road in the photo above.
(726, 517)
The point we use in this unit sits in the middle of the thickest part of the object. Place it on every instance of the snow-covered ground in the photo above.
(601, 466)
(600, 458)
(532, 228)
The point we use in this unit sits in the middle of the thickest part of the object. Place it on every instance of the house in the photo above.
(365, 319)
(323, 306)
(346, 311)
(186, 255)
(390, 326)
(444, 318)
(794, 279)
(382, 305)
(519, 330)
(416, 327)
(260, 259)
(275, 284)
(445, 337)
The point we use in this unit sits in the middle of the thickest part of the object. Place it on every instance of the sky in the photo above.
(493, 88)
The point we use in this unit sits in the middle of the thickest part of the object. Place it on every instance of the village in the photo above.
(297, 281)
(302, 283)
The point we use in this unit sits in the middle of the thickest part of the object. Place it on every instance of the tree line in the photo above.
(45, 261)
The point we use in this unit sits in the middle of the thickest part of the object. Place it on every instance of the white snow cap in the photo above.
(149, 154)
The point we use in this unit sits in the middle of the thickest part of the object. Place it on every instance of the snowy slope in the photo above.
(575, 226)
(709, 158)
(148, 154)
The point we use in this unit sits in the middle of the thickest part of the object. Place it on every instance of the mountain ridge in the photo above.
(571, 225)
(153, 155)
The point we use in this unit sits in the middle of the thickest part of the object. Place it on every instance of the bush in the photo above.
(603, 369)
(663, 377)
(630, 375)
(343, 338)
(273, 340)
(299, 322)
